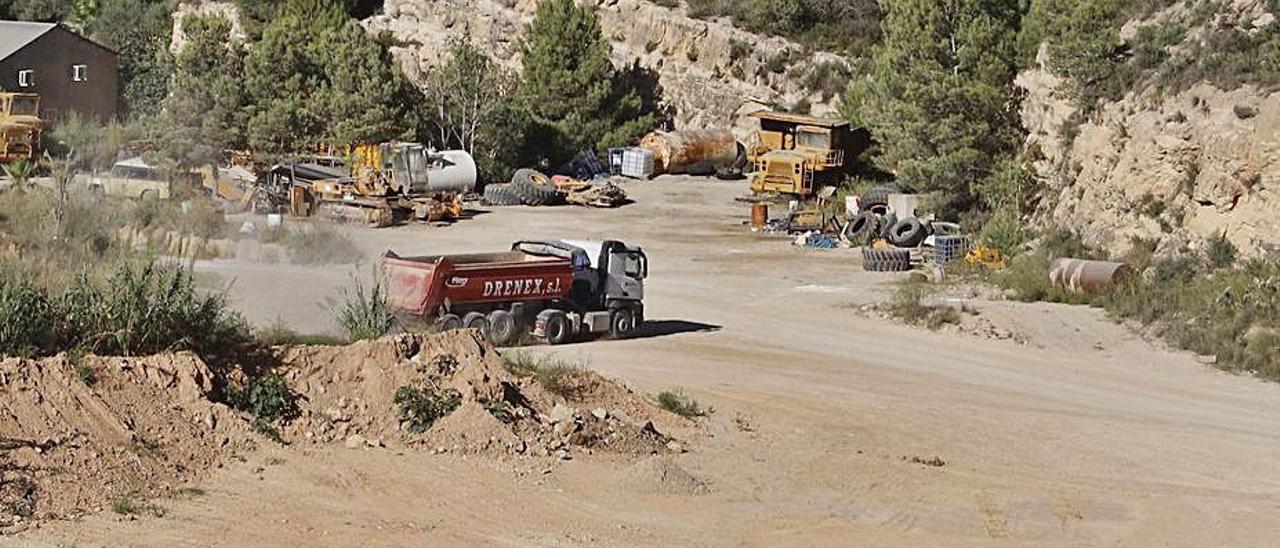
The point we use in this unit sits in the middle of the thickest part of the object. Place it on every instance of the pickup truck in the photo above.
(556, 290)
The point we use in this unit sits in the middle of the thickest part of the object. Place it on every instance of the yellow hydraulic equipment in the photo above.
(987, 257)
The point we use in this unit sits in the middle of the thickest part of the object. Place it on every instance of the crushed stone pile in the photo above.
(348, 395)
(660, 475)
(76, 437)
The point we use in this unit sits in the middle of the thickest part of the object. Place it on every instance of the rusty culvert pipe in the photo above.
(1085, 276)
(674, 151)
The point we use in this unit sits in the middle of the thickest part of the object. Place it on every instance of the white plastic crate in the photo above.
(637, 163)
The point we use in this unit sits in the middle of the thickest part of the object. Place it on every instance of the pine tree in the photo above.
(139, 32)
(938, 97)
(316, 76)
(204, 113)
(571, 88)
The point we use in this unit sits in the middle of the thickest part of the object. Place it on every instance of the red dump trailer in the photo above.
(553, 289)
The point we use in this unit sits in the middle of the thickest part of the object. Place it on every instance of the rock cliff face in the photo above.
(710, 72)
(202, 8)
(1178, 168)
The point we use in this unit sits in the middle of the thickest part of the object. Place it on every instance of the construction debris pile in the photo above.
(348, 395)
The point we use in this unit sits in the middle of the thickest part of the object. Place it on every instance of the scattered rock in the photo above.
(355, 441)
(562, 413)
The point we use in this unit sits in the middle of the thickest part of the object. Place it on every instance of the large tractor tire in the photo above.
(876, 200)
(501, 195)
(863, 228)
(535, 189)
(908, 232)
(886, 260)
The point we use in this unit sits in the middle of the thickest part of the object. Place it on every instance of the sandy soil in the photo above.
(1085, 435)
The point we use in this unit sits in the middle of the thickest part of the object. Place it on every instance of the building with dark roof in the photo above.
(69, 72)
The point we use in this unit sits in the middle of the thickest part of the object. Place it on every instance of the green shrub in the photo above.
(365, 313)
(908, 306)
(681, 404)
(148, 308)
(27, 318)
(270, 399)
(422, 407)
(1220, 252)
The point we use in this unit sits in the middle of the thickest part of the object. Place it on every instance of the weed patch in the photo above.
(364, 313)
(908, 306)
(421, 407)
(682, 404)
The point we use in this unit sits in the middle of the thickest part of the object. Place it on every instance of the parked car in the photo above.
(133, 178)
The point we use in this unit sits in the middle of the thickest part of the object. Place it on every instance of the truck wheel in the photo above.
(477, 321)
(502, 327)
(556, 329)
(621, 323)
(449, 322)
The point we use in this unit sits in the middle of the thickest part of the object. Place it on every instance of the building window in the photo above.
(80, 73)
(26, 78)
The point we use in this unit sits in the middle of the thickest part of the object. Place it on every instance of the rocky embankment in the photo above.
(709, 71)
(1179, 168)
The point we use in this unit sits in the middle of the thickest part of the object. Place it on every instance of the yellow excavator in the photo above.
(20, 126)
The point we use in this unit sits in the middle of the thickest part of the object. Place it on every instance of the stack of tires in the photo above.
(877, 222)
(527, 187)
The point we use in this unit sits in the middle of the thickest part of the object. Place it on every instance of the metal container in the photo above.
(759, 215)
(675, 151)
(1085, 276)
(453, 171)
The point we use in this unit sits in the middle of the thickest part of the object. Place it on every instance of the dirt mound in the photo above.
(75, 438)
(351, 393)
(659, 475)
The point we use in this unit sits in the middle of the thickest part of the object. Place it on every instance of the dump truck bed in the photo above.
(421, 285)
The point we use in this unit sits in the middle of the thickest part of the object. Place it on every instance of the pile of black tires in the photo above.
(876, 222)
(527, 187)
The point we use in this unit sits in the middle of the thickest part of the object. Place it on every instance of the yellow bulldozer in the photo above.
(797, 155)
(20, 126)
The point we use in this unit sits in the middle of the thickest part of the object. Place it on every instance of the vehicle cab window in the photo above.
(634, 266)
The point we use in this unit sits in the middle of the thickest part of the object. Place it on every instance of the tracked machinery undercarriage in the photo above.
(382, 185)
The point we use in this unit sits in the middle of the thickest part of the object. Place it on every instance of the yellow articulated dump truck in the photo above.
(20, 126)
(796, 154)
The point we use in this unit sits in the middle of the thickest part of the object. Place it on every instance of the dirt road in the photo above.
(1085, 435)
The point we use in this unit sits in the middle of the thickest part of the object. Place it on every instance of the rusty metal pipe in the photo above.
(675, 151)
(1085, 276)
